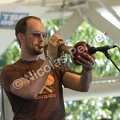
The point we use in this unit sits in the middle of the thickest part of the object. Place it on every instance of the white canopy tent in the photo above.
(76, 11)
(102, 14)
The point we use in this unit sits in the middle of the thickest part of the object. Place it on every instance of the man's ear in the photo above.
(20, 37)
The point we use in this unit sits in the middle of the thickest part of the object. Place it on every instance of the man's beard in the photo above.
(37, 52)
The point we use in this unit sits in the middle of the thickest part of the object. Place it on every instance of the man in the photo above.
(33, 86)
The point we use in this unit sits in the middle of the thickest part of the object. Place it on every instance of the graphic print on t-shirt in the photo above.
(48, 90)
(48, 83)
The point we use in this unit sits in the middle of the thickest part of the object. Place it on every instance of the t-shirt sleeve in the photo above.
(8, 75)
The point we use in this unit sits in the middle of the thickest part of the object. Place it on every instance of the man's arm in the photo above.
(30, 89)
(81, 82)
(77, 82)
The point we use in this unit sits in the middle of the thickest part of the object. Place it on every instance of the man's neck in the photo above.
(29, 58)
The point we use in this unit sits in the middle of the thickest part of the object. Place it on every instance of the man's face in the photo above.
(35, 37)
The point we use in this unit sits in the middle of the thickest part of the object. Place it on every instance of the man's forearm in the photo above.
(86, 79)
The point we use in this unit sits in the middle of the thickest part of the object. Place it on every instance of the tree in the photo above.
(10, 55)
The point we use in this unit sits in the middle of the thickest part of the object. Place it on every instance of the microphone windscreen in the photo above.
(91, 50)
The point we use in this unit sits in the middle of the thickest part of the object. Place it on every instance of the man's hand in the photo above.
(53, 45)
(86, 60)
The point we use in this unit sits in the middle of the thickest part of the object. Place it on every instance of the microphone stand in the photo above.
(109, 57)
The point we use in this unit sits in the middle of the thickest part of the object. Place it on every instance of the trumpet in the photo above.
(61, 48)
(77, 50)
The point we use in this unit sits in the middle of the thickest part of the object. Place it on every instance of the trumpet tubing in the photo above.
(65, 48)
(77, 50)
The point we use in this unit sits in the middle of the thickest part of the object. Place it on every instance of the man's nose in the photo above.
(41, 37)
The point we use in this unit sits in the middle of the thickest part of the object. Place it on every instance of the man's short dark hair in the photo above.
(21, 26)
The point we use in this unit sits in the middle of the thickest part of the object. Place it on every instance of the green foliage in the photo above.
(103, 67)
(51, 27)
(10, 55)
(93, 109)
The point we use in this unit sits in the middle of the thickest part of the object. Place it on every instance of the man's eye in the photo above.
(36, 34)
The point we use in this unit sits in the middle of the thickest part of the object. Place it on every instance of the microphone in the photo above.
(93, 50)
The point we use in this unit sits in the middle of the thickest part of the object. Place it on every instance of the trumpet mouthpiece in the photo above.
(40, 46)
